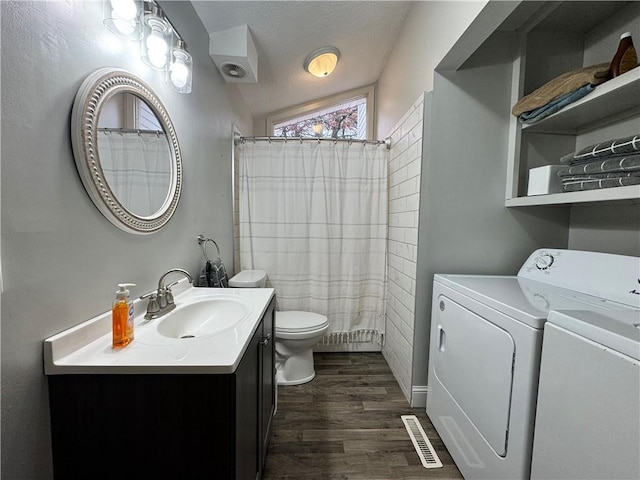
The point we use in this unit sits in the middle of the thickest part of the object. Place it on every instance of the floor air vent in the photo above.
(423, 446)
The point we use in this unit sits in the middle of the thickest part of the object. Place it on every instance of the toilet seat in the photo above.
(296, 333)
(299, 322)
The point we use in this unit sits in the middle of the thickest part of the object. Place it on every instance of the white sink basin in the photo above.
(203, 317)
(207, 333)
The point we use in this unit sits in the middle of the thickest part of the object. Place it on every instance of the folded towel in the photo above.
(554, 105)
(626, 163)
(565, 83)
(614, 146)
(598, 184)
(567, 159)
(598, 176)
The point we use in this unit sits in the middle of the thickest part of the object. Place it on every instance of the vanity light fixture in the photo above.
(322, 62)
(181, 68)
(162, 47)
(122, 17)
(157, 37)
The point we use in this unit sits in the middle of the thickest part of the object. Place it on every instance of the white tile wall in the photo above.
(405, 161)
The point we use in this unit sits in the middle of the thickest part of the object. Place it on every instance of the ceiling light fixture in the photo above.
(322, 62)
(318, 128)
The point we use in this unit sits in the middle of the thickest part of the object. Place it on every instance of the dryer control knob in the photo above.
(544, 262)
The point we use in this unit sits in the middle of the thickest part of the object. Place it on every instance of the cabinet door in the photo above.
(267, 369)
(247, 411)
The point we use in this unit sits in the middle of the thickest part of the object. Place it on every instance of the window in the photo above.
(346, 120)
(346, 115)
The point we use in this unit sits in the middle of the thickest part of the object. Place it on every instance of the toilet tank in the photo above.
(249, 279)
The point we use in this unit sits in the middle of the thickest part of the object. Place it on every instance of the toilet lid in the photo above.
(247, 278)
(294, 321)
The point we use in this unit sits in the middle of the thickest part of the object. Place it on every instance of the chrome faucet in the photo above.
(161, 301)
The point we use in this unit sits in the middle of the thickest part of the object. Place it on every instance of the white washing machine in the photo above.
(485, 347)
(588, 412)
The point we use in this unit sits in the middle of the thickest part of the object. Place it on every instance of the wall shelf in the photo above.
(547, 48)
(629, 193)
(618, 97)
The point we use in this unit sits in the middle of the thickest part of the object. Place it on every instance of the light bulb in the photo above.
(121, 18)
(322, 61)
(156, 43)
(124, 26)
(156, 48)
(124, 9)
(323, 65)
(179, 73)
(158, 60)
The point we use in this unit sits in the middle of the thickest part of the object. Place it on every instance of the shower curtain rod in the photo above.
(240, 139)
(130, 130)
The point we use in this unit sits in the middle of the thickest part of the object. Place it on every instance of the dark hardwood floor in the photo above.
(345, 424)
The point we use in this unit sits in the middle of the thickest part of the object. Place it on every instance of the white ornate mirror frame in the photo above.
(94, 92)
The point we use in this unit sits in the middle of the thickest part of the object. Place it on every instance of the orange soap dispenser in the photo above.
(122, 317)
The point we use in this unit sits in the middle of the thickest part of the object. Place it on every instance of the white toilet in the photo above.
(296, 334)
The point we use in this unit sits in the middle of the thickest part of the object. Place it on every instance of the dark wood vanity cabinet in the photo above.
(267, 402)
(167, 426)
(255, 400)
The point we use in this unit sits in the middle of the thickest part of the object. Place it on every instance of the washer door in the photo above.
(474, 362)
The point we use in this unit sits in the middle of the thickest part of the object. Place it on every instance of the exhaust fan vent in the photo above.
(233, 70)
(235, 54)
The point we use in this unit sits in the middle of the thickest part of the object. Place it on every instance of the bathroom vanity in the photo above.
(175, 414)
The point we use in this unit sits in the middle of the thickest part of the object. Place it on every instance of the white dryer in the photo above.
(588, 411)
(486, 339)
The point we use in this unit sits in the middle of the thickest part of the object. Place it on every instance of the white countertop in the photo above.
(86, 348)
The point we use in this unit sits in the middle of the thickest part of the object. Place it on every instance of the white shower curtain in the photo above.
(313, 215)
(138, 169)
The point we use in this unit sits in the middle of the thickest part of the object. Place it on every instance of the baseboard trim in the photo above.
(419, 396)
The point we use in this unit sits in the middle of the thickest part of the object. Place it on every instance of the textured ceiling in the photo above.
(285, 32)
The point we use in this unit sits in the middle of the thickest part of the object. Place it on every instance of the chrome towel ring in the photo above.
(202, 241)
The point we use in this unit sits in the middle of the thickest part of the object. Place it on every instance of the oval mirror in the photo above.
(126, 151)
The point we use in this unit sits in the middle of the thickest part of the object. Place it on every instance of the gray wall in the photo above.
(610, 228)
(606, 228)
(429, 31)
(61, 258)
(464, 225)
